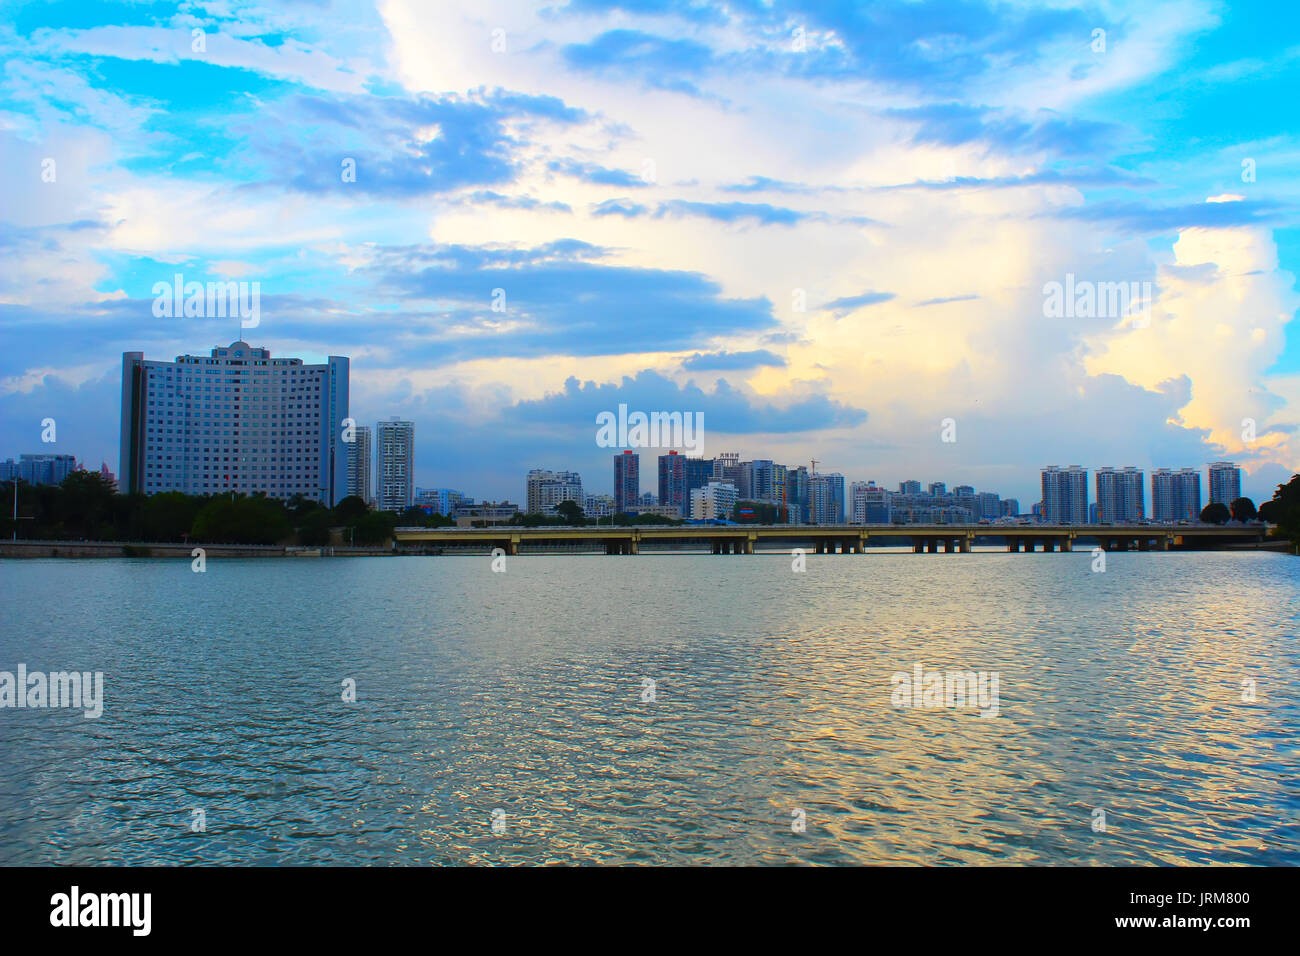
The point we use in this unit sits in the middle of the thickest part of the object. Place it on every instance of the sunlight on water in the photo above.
(523, 692)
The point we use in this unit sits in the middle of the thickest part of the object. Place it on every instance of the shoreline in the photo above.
(90, 550)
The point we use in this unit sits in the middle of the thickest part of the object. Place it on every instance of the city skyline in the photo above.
(513, 233)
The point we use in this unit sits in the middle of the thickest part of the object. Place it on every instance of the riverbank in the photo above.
(153, 549)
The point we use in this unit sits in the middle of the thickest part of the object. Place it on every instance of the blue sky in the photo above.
(827, 226)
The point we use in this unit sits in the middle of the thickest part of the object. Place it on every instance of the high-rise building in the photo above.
(359, 460)
(827, 499)
(42, 469)
(798, 493)
(869, 503)
(909, 487)
(1120, 495)
(1225, 482)
(1010, 507)
(627, 482)
(394, 465)
(715, 500)
(1176, 495)
(672, 481)
(937, 489)
(699, 472)
(546, 489)
(237, 420)
(987, 506)
(726, 467)
(1065, 495)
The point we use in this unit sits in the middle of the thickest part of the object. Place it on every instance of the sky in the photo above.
(827, 227)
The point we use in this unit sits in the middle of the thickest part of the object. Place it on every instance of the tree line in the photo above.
(86, 507)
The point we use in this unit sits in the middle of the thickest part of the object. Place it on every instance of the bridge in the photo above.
(825, 539)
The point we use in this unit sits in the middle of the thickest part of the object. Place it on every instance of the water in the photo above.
(522, 692)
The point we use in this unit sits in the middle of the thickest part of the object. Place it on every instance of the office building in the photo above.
(1065, 495)
(236, 420)
(394, 465)
(1225, 482)
(360, 452)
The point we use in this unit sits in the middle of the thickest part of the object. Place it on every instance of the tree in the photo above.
(167, 516)
(85, 507)
(240, 520)
(1243, 509)
(1284, 510)
(350, 509)
(314, 527)
(375, 527)
(571, 512)
(1215, 513)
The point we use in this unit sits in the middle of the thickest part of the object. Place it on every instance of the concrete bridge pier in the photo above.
(1029, 545)
(918, 545)
(1013, 545)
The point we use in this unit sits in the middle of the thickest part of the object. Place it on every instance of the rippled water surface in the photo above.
(522, 692)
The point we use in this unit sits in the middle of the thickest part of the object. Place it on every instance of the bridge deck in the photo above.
(847, 538)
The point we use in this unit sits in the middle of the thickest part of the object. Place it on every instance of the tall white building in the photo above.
(394, 465)
(359, 459)
(715, 500)
(237, 420)
(1225, 482)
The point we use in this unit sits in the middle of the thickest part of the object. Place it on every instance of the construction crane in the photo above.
(814, 466)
